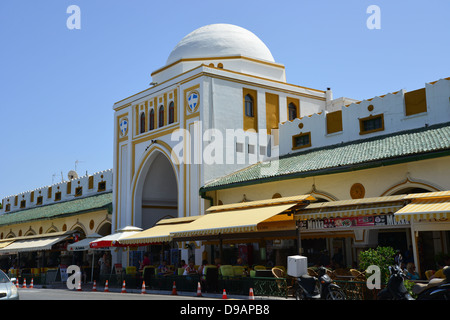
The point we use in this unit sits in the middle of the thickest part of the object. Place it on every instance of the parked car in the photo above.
(8, 290)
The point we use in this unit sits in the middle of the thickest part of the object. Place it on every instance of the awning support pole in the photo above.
(220, 248)
(299, 239)
(414, 240)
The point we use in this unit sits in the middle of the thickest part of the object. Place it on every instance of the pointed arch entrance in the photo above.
(156, 193)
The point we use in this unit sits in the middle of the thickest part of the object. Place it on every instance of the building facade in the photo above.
(212, 109)
(379, 148)
(220, 124)
(38, 224)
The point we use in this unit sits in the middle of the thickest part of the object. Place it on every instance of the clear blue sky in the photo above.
(58, 86)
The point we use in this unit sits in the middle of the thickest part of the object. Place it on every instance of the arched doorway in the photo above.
(410, 190)
(156, 193)
(104, 229)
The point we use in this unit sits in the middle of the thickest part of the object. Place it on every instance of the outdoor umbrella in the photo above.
(83, 245)
(112, 239)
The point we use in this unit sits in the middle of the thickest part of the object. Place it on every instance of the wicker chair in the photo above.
(281, 267)
(282, 283)
(360, 278)
(312, 273)
(342, 272)
(331, 274)
(357, 275)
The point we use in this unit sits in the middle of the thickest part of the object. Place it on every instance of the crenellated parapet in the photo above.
(387, 114)
(71, 189)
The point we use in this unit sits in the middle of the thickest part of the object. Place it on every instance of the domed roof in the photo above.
(217, 40)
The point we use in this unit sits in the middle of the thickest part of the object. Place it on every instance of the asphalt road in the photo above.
(72, 295)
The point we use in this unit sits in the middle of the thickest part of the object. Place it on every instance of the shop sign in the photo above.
(282, 243)
(362, 221)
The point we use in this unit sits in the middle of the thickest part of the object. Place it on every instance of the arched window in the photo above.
(292, 111)
(161, 117)
(152, 119)
(142, 123)
(249, 112)
(171, 112)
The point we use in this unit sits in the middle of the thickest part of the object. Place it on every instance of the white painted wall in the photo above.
(82, 181)
(391, 105)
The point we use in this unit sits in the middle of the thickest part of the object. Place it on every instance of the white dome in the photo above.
(218, 40)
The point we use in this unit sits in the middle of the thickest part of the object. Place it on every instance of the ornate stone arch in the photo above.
(10, 235)
(79, 226)
(52, 229)
(158, 148)
(412, 185)
(104, 228)
(30, 232)
(322, 195)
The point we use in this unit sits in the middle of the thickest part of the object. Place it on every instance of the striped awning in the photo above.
(429, 195)
(4, 244)
(161, 232)
(241, 217)
(33, 244)
(233, 221)
(351, 208)
(261, 203)
(421, 209)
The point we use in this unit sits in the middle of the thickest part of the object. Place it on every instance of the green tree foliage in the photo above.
(382, 257)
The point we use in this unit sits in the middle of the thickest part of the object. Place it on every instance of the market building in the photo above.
(221, 157)
(220, 125)
(352, 178)
(38, 226)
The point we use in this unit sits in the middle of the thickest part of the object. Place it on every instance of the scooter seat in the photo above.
(420, 287)
(308, 282)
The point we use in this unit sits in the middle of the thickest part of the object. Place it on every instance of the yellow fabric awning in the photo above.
(4, 244)
(262, 203)
(351, 208)
(161, 232)
(233, 221)
(421, 209)
(429, 195)
(34, 244)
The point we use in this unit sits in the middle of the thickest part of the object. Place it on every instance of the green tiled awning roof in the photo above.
(426, 142)
(66, 208)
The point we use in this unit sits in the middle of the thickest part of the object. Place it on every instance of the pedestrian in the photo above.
(103, 263)
(398, 258)
(145, 262)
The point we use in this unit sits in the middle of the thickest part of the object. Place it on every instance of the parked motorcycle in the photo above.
(312, 288)
(395, 289)
(436, 289)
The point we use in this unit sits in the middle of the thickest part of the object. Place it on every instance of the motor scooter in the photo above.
(395, 289)
(436, 289)
(312, 288)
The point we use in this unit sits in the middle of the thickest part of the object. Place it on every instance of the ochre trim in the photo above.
(361, 124)
(277, 65)
(334, 121)
(415, 102)
(204, 73)
(250, 123)
(296, 102)
(294, 147)
(272, 112)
